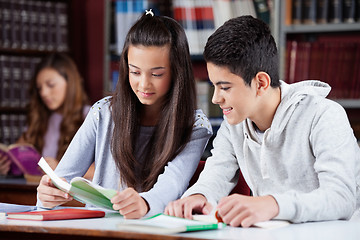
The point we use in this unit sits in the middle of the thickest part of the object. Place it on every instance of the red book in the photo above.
(317, 61)
(58, 214)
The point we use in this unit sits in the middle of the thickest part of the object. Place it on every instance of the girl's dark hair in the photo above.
(245, 46)
(175, 124)
(72, 108)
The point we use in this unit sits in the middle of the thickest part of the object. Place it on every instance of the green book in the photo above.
(81, 189)
(165, 224)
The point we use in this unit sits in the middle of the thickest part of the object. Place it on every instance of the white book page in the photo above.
(61, 184)
(205, 218)
(164, 221)
(266, 224)
(271, 224)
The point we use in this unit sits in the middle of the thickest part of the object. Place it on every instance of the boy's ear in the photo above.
(263, 81)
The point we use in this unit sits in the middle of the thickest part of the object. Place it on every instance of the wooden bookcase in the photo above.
(29, 31)
(345, 37)
(328, 31)
(84, 42)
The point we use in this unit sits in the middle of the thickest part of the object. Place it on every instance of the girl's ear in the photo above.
(263, 81)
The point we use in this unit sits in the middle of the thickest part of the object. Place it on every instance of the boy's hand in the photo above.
(239, 210)
(49, 195)
(130, 204)
(184, 207)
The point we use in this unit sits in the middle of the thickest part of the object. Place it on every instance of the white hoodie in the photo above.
(308, 160)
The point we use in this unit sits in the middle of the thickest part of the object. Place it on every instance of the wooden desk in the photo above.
(18, 191)
(106, 228)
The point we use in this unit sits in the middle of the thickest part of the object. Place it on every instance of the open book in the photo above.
(165, 224)
(213, 217)
(81, 189)
(24, 158)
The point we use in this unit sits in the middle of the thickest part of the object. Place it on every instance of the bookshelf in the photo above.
(29, 30)
(342, 34)
(81, 37)
(338, 38)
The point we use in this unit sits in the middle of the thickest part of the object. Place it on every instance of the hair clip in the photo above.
(149, 12)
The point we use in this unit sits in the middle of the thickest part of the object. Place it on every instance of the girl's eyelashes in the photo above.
(153, 74)
(157, 75)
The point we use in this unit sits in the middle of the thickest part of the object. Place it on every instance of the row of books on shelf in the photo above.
(15, 76)
(126, 14)
(332, 59)
(34, 25)
(199, 18)
(11, 127)
(322, 11)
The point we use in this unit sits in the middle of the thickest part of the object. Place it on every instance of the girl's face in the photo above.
(52, 88)
(149, 73)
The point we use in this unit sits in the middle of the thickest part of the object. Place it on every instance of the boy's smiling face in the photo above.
(237, 100)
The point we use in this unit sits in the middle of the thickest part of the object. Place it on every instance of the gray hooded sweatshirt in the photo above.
(308, 160)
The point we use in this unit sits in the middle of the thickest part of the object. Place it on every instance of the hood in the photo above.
(291, 95)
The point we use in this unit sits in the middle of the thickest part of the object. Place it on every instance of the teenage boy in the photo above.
(295, 148)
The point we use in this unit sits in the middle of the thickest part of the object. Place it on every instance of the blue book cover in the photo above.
(8, 207)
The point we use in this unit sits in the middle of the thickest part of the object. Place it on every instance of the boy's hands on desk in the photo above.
(130, 204)
(184, 207)
(239, 210)
(235, 210)
(49, 195)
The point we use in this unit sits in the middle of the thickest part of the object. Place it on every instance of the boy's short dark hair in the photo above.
(245, 46)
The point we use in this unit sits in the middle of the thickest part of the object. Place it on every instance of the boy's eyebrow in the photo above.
(154, 68)
(222, 82)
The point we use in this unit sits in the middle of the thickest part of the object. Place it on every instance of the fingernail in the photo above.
(218, 217)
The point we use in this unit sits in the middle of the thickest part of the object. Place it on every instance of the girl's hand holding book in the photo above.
(130, 204)
(49, 195)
